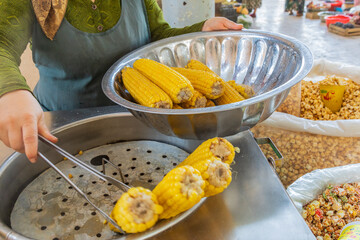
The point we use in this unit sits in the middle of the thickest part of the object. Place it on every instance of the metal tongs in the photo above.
(100, 175)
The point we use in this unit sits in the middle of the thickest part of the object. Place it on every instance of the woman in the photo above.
(297, 5)
(74, 42)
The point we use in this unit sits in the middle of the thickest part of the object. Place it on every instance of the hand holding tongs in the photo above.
(78, 162)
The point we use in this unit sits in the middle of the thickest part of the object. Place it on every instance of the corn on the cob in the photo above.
(179, 191)
(143, 90)
(216, 174)
(230, 96)
(197, 101)
(178, 87)
(207, 83)
(195, 64)
(212, 148)
(176, 106)
(210, 103)
(136, 210)
(244, 90)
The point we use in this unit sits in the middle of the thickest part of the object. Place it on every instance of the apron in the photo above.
(71, 66)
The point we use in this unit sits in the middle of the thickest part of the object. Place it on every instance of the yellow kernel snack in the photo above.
(313, 108)
(136, 210)
(305, 152)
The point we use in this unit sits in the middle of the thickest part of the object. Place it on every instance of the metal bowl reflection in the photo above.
(270, 63)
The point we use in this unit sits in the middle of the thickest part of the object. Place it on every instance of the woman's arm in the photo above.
(21, 117)
(161, 29)
(16, 19)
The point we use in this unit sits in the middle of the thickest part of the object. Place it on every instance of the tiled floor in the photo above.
(270, 17)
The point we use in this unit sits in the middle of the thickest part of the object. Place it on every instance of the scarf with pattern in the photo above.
(50, 14)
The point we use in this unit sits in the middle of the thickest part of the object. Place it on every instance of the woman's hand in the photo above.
(220, 23)
(21, 120)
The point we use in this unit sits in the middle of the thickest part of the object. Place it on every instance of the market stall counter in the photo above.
(254, 206)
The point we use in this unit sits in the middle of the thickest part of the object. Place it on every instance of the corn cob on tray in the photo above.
(204, 173)
(156, 85)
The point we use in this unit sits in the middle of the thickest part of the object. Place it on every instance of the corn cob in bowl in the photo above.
(177, 86)
(143, 90)
(244, 90)
(180, 190)
(136, 210)
(197, 101)
(207, 83)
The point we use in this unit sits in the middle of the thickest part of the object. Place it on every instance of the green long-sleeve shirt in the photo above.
(17, 18)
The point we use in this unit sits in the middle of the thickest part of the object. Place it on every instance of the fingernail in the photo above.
(32, 160)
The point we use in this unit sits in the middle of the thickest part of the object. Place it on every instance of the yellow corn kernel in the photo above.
(210, 103)
(208, 83)
(245, 90)
(176, 106)
(197, 101)
(177, 86)
(216, 174)
(230, 96)
(70, 175)
(179, 191)
(143, 90)
(195, 64)
(81, 152)
(136, 210)
(219, 148)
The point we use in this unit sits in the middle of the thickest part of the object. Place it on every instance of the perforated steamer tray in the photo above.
(253, 206)
(48, 208)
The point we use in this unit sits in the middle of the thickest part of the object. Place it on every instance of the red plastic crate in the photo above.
(337, 18)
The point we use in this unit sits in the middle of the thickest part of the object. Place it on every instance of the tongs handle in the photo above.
(80, 192)
(100, 175)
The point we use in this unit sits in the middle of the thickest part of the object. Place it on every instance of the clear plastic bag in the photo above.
(304, 152)
(306, 188)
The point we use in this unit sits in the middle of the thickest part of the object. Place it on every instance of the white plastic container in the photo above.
(351, 231)
(181, 13)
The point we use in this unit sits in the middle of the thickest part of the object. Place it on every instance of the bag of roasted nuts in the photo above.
(318, 138)
(328, 199)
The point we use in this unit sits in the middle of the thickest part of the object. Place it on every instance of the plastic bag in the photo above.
(343, 128)
(307, 145)
(304, 152)
(307, 187)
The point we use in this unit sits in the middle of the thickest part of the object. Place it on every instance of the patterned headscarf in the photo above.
(50, 14)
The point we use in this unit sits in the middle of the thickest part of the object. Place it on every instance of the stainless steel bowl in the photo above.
(270, 63)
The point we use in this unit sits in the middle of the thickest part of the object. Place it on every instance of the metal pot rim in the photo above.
(110, 76)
